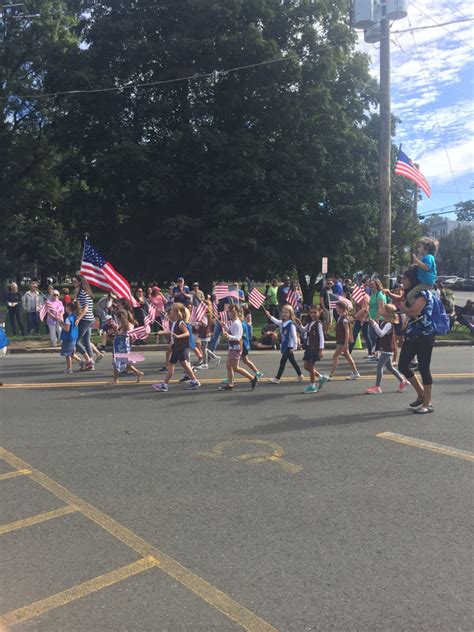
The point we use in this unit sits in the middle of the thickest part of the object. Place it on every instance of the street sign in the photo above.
(324, 265)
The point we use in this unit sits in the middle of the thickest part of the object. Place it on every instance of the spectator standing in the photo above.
(325, 304)
(282, 292)
(181, 293)
(54, 315)
(272, 300)
(337, 288)
(66, 297)
(14, 308)
(197, 294)
(32, 302)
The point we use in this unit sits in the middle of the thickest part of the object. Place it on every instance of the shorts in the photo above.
(179, 356)
(234, 354)
(327, 316)
(68, 348)
(310, 357)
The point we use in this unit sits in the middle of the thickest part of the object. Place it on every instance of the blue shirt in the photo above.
(428, 276)
(337, 288)
(72, 334)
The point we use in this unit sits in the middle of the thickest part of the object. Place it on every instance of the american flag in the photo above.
(142, 332)
(99, 272)
(256, 298)
(358, 293)
(292, 298)
(333, 300)
(222, 291)
(198, 312)
(48, 305)
(406, 167)
(224, 318)
(165, 325)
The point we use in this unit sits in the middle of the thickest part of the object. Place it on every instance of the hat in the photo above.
(108, 317)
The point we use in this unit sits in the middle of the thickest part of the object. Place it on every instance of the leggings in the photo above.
(83, 343)
(422, 347)
(285, 356)
(385, 360)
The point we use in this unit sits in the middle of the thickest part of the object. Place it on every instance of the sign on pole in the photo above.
(324, 265)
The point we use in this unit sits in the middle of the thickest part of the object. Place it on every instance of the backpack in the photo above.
(192, 342)
(439, 317)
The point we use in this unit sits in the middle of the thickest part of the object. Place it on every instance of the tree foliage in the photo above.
(465, 211)
(455, 250)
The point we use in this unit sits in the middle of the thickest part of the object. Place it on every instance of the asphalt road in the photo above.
(217, 511)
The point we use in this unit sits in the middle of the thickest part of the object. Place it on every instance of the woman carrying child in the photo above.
(386, 345)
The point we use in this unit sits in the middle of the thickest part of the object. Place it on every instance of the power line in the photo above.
(455, 8)
(441, 25)
(436, 26)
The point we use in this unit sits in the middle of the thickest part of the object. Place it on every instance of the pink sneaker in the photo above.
(374, 390)
(403, 386)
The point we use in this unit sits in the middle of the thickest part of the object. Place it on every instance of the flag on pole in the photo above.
(99, 272)
(333, 300)
(358, 293)
(224, 318)
(407, 168)
(256, 298)
(292, 298)
(198, 312)
(165, 325)
(49, 306)
(222, 291)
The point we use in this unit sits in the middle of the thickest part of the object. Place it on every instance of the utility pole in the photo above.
(385, 163)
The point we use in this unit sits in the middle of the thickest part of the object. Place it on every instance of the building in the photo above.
(438, 226)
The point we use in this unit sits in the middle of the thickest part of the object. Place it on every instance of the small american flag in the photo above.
(333, 300)
(224, 318)
(150, 317)
(48, 305)
(407, 168)
(256, 298)
(292, 298)
(198, 312)
(222, 291)
(358, 294)
(140, 333)
(99, 272)
(165, 325)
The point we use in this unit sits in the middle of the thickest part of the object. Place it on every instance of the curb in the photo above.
(330, 344)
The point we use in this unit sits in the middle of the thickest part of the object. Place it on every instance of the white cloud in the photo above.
(435, 165)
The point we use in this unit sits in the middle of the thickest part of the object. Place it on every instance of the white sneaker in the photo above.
(274, 380)
(217, 360)
(200, 367)
(353, 376)
(300, 378)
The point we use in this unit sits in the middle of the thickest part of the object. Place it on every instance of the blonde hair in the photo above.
(182, 311)
(290, 310)
(235, 309)
(391, 311)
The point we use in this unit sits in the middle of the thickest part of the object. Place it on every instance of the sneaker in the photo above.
(329, 378)
(161, 387)
(185, 378)
(89, 366)
(226, 387)
(353, 376)
(68, 371)
(403, 386)
(416, 403)
(200, 367)
(300, 378)
(323, 380)
(253, 383)
(99, 357)
(424, 410)
(274, 380)
(370, 356)
(311, 388)
(225, 380)
(374, 390)
(258, 374)
(163, 370)
(193, 385)
(372, 359)
(217, 360)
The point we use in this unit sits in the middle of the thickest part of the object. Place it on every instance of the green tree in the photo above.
(455, 251)
(465, 211)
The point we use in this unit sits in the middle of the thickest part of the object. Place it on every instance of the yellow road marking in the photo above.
(273, 453)
(427, 445)
(76, 592)
(42, 517)
(212, 380)
(4, 477)
(199, 586)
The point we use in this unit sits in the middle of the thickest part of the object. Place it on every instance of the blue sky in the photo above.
(432, 94)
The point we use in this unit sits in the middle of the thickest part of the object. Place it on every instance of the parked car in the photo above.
(464, 284)
(451, 281)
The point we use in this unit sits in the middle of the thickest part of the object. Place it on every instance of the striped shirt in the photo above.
(85, 300)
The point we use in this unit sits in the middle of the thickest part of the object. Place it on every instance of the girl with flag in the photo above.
(234, 336)
(121, 362)
(288, 342)
(314, 349)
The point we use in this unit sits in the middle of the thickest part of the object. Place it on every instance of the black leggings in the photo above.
(285, 356)
(421, 347)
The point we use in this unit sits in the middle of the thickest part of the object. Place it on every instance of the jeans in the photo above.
(365, 328)
(216, 334)
(422, 347)
(14, 314)
(54, 334)
(83, 343)
(33, 321)
(285, 356)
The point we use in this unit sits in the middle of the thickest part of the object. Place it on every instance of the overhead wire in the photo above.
(442, 25)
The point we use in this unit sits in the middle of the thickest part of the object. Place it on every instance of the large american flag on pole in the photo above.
(256, 298)
(407, 168)
(99, 272)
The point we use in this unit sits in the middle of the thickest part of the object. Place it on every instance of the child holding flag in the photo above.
(289, 342)
(314, 349)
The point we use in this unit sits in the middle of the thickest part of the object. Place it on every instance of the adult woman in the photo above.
(376, 302)
(85, 320)
(419, 341)
(14, 308)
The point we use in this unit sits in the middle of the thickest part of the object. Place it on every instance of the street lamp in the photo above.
(373, 17)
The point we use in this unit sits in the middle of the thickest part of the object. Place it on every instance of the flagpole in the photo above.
(86, 237)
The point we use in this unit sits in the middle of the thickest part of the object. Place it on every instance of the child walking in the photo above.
(179, 349)
(314, 349)
(69, 334)
(234, 337)
(246, 318)
(343, 339)
(386, 341)
(122, 365)
(288, 342)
